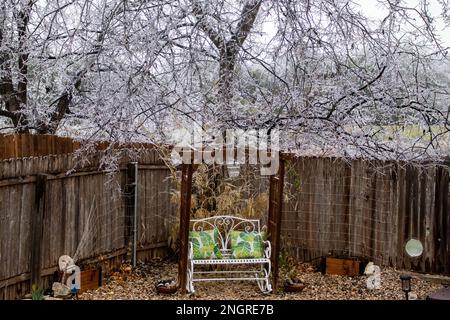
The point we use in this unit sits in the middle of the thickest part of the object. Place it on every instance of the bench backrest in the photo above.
(225, 224)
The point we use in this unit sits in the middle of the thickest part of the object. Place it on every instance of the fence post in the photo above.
(185, 211)
(132, 208)
(37, 220)
(275, 212)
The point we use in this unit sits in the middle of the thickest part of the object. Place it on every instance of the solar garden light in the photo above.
(406, 284)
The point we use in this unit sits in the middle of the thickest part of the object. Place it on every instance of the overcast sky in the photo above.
(372, 9)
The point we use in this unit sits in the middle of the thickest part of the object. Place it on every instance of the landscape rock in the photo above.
(61, 290)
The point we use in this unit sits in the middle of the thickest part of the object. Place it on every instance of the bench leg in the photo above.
(264, 284)
(268, 284)
(190, 276)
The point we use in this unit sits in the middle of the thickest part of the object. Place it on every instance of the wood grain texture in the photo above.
(37, 145)
(343, 267)
(368, 209)
(90, 280)
(86, 200)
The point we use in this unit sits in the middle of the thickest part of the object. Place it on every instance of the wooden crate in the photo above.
(90, 280)
(343, 266)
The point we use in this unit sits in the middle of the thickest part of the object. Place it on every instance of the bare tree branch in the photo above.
(247, 19)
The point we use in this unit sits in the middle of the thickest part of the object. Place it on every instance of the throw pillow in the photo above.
(205, 244)
(246, 245)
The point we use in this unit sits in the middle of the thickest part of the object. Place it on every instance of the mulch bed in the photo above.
(140, 284)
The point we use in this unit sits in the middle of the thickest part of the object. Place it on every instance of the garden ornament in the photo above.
(72, 271)
(374, 279)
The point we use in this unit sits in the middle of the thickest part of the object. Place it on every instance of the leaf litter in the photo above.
(139, 284)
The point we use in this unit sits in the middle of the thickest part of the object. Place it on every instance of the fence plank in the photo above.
(4, 233)
(442, 222)
(15, 202)
(143, 211)
(37, 230)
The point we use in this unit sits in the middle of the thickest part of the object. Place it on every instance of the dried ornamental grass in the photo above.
(228, 200)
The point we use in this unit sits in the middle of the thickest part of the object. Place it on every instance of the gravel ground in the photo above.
(140, 284)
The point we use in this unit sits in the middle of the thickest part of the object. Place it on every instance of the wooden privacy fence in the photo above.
(368, 209)
(30, 145)
(37, 145)
(46, 212)
(358, 208)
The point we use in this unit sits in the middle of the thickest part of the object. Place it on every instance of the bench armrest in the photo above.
(267, 249)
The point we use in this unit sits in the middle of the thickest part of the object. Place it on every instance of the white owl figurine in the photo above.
(374, 279)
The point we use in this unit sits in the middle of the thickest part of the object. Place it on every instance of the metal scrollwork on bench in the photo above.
(225, 225)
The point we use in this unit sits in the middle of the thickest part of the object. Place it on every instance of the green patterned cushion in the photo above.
(205, 244)
(246, 245)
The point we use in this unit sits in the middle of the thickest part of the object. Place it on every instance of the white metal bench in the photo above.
(226, 224)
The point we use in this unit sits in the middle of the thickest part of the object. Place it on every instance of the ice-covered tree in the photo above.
(331, 79)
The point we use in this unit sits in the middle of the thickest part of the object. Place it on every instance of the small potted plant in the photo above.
(292, 282)
(166, 286)
(289, 270)
(37, 293)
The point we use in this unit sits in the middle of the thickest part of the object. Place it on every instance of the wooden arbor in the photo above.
(274, 219)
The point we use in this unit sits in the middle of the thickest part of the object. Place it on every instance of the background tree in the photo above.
(333, 80)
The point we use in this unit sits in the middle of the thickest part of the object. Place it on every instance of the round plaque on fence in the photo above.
(414, 248)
